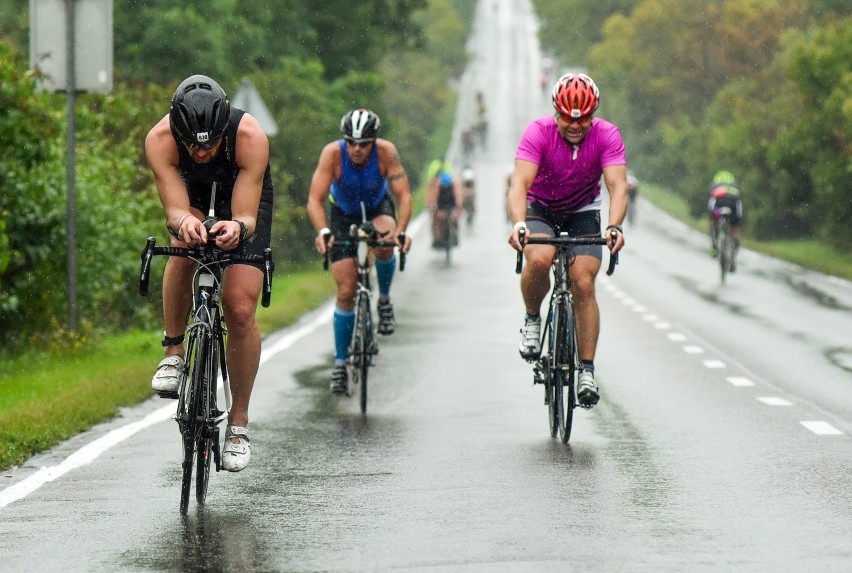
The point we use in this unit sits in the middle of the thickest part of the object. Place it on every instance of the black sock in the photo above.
(531, 318)
(589, 366)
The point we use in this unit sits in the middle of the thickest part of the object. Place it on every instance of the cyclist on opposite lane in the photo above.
(556, 185)
(356, 172)
(201, 141)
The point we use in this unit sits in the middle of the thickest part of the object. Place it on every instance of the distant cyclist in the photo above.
(357, 172)
(468, 181)
(724, 191)
(444, 201)
(556, 186)
(481, 118)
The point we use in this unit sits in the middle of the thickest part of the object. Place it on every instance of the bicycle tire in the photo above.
(554, 406)
(569, 399)
(367, 342)
(207, 404)
(724, 252)
(188, 420)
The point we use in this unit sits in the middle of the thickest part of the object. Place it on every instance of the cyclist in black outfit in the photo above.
(202, 141)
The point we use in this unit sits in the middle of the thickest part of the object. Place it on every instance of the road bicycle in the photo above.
(559, 364)
(198, 415)
(449, 231)
(363, 346)
(725, 246)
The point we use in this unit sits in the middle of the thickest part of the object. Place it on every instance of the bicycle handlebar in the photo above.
(565, 242)
(206, 254)
(371, 240)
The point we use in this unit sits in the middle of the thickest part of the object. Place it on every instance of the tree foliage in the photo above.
(311, 63)
(759, 87)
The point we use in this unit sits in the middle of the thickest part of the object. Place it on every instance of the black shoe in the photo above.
(338, 380)
(387, 323)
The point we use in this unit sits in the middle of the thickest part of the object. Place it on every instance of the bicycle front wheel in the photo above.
(188, 415)
(208, 433)
(569, 374)
(360, 351)
(555, 409)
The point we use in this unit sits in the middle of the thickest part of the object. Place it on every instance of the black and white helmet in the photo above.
(360, 124)
(199, 111)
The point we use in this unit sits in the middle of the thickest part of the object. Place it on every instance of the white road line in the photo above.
(821, 428)
(714, 364)
(662, 325)
(677, 337)
(693, 349)
(650, 317)
(740, 381)
(775, 401)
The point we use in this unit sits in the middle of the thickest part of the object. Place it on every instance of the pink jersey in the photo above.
(569, 177)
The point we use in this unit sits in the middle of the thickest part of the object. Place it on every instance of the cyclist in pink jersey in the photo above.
(556, 187)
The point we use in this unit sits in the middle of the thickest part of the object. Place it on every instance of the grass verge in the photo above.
(47, 397)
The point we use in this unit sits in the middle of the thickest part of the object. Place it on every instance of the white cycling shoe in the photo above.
(167, 377)
(530, 346)
(235, 456)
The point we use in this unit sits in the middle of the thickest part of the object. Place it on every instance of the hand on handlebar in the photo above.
(516, 238)
(323, 241)
(614, 239)
(226, 234)
(403, 241)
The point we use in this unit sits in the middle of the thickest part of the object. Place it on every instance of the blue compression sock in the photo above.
(384, 272)
(344, 324)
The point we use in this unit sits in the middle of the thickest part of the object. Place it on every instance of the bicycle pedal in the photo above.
(167, 395)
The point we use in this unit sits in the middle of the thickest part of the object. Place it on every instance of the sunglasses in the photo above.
(360, 142)
(569, 120)
(193, 145)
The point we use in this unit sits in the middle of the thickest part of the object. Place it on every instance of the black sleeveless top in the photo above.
(223, 170)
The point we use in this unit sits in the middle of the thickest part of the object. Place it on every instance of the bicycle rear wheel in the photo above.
(725, 253)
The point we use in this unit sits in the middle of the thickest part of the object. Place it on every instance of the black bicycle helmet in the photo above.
(360, 124)
(199, 110)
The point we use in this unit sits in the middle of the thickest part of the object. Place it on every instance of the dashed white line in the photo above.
(662, 325)
(693, 349)
(821, 428)
(740, 381)
(677, 337)
(714, 364)
(774, 401)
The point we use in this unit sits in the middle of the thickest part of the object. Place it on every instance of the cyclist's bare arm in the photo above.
(324, 174)
(522, 180)
(162, 155)
(394, 173)
(615, 178)
(252, 158)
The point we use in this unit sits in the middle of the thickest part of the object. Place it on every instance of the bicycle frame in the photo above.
(724, 242)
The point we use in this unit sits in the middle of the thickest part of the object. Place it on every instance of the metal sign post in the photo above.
(71, 67)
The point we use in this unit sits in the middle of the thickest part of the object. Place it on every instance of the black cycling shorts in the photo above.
(541, 220)
(339, 223)
(734, 203)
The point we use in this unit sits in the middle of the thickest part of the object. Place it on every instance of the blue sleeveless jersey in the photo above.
(358, 184)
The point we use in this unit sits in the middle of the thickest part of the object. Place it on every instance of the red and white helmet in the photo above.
(576, 95)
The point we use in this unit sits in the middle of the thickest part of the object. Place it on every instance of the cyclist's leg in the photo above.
(177, 303)
(583, 273)
(385, 268)
(240, 291)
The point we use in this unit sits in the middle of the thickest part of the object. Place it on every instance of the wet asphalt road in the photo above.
(722, 441)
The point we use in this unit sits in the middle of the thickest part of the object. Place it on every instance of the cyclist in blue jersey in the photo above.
(361, 175)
